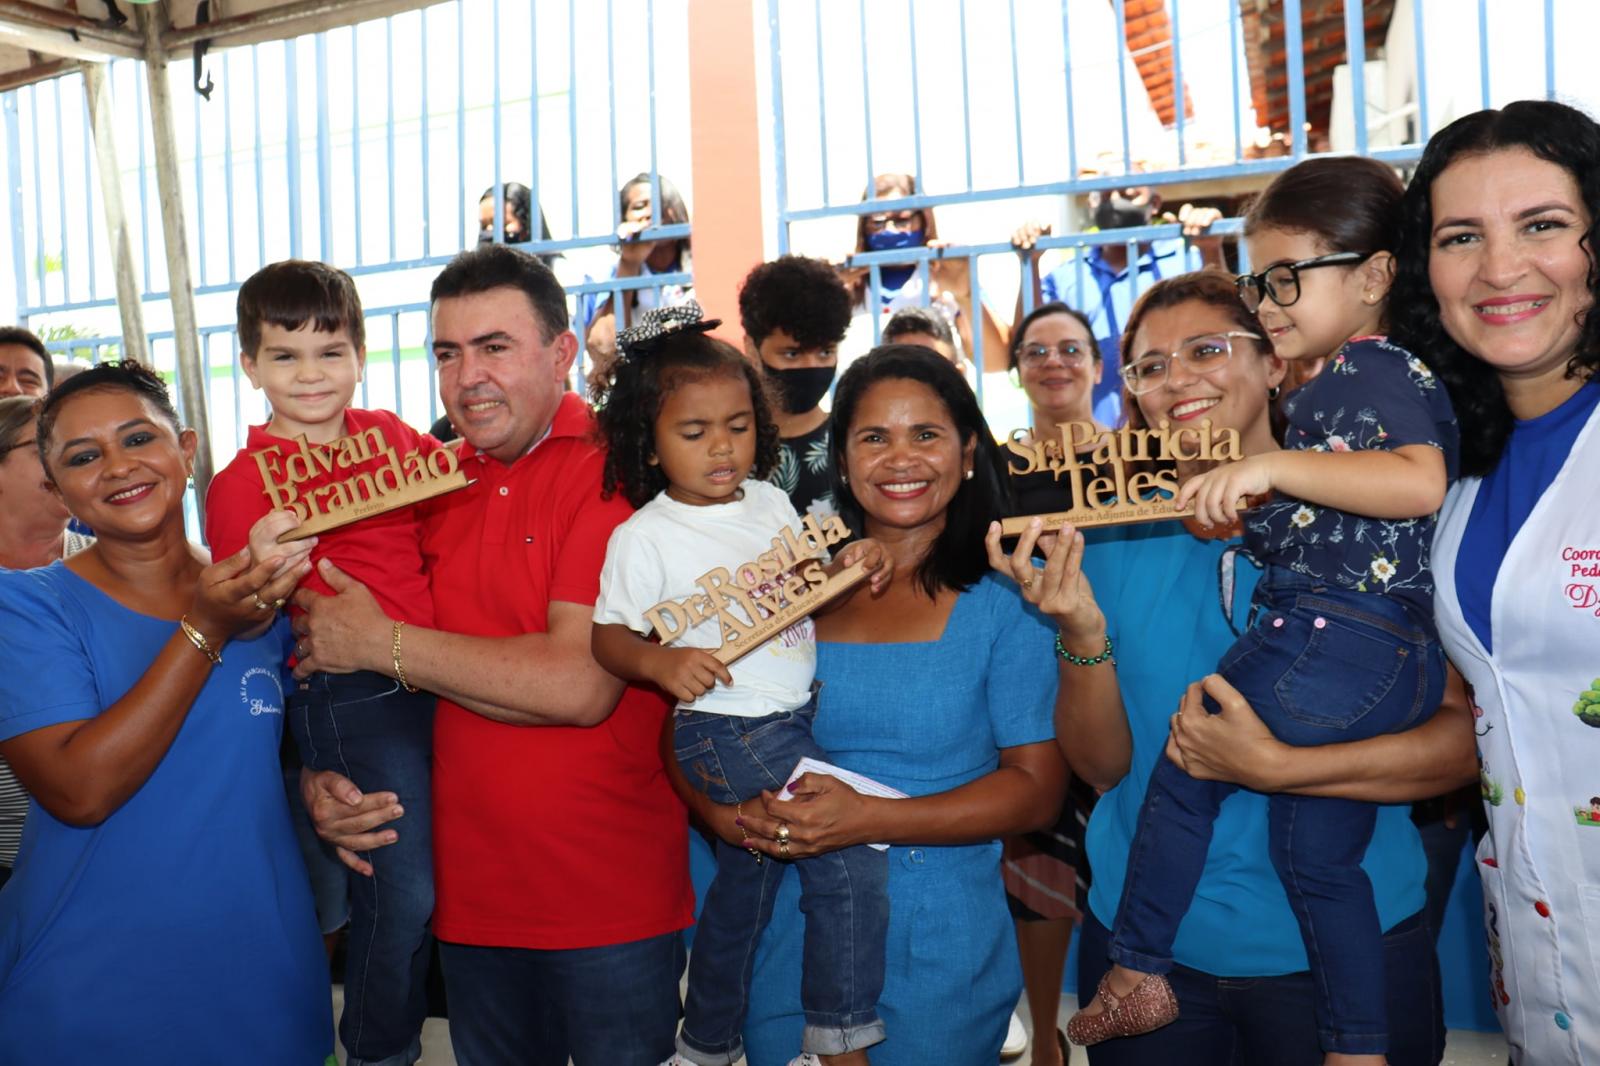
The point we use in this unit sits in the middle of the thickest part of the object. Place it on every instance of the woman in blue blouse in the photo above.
(942, 687)
(159, 912)
(1169, 602)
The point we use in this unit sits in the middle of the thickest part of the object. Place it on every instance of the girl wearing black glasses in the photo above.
(1341, 644)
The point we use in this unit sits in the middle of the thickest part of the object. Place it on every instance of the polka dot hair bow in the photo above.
(659, 322)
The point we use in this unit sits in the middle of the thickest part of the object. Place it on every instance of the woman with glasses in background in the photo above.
(1058, 364)
(1167, 598)
(949, 281)
(33, 532)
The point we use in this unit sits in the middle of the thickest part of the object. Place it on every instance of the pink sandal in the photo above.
(1147, 1008)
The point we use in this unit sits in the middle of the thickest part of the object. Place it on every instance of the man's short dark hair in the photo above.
(18, 335)
(293, 292)
(496, 266)
(909, 320)
(803, 297)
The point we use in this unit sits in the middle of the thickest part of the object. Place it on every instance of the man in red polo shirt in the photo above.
(560, 850)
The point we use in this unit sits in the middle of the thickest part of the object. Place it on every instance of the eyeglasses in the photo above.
(1033, 356)
(1201, 355)
(901, 220)
(7, 449)
(1281, 283)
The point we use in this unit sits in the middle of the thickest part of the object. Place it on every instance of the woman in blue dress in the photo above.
(942, 686)
(159, 911)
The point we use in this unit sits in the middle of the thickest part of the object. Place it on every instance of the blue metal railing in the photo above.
(333, 146)
(985, 59)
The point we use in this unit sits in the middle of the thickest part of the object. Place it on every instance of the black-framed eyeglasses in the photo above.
(1281, 282)
(901, 220)
(1201, 355)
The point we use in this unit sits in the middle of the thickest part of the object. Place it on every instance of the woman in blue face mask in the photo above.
(901, 285)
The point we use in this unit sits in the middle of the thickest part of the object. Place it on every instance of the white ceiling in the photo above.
(43, 38)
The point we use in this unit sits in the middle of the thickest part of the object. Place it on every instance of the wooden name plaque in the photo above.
(1095, 465)
(761, 598)
(350, 497)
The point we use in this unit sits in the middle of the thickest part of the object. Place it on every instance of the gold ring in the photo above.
(783, 834)
(277, 604)
(260, 606)
(783, 848)
(1027, 583)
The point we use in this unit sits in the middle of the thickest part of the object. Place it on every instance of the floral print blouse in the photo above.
(1372, 394)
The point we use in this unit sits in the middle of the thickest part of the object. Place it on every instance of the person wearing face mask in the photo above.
(1105, 288)
(794, 312)
(949, 280)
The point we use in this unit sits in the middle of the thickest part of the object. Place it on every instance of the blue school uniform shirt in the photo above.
(1534, 454)
(1372, 396)
(1163, 593)
(181, 928)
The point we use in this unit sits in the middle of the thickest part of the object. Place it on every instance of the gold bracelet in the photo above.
(738, 818)
(199, 640)
(399, 669)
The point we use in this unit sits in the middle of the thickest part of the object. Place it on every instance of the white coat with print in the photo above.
(1537, 702)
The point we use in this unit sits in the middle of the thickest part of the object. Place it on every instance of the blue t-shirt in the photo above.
(180, 929)
(1161, 591)
(1534, 454)
(1106, 295)
(1371, 396)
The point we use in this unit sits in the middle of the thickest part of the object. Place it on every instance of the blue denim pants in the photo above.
(1256, 1021)
(368, 728)
(844, 895)
(613, 1005)
(1320, 665)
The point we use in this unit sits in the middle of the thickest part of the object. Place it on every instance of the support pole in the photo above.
(193, 375)
(135, 344)
(724, 153)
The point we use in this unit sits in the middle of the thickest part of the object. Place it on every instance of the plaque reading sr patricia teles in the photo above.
(1118, 475)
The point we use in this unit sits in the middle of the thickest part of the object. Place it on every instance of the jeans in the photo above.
(844, 895)
(1253, 1021)
(368, 728)
(1319, 665)
(615, 1005)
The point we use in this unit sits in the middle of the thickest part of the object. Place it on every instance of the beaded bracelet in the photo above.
(399, 669)
(198, 639)
(1079, 660)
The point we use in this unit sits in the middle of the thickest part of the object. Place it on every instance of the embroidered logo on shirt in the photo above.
(261, 691)
(1579, 563)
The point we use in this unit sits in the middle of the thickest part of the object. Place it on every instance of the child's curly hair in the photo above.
(629, 399)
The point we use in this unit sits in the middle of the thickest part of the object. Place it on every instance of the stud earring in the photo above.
(968, 475)
(844, 479)
(1272, 392)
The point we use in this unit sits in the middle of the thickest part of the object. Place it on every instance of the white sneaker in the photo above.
(1016, 1038)
(806, 1059)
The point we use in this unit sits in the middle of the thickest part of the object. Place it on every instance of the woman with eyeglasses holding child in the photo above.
(1167, 596)
(1341, 643)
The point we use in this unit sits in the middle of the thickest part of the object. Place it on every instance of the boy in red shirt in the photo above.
(302, 341)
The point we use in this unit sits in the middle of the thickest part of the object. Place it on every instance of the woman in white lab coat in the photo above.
(1497, 281)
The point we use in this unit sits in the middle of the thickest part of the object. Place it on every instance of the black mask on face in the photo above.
(801, 388)
(1114, 211)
